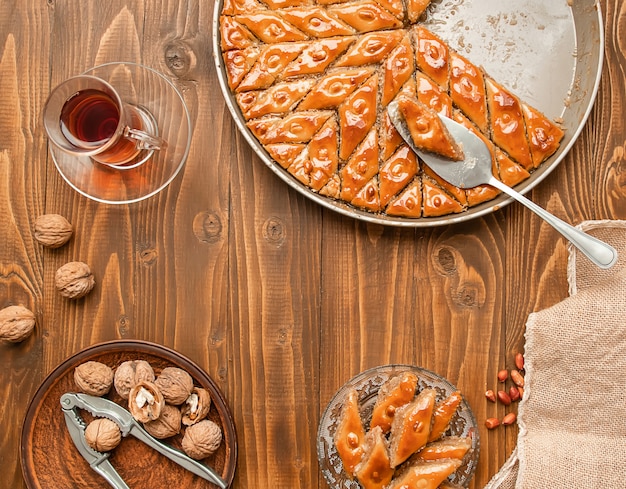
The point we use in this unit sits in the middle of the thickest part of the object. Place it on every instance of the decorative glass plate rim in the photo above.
(367, 384)
(61, 159)
(345, 209)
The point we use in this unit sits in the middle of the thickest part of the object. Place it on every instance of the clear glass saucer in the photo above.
(152, 172)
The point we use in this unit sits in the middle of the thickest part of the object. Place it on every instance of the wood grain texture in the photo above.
(280, 300)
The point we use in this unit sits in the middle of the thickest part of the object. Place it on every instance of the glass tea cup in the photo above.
(85, 116)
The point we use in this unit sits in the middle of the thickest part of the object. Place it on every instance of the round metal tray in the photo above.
(550, 54)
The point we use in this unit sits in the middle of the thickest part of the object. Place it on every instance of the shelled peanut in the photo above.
(507, 397)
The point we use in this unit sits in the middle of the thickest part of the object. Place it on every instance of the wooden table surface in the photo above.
(279, 300)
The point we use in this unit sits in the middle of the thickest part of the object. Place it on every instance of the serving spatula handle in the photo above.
(599, 252)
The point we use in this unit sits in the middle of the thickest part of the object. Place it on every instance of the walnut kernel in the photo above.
(167, 424)
(16, 323)
(74, 280)
(196, 407)
(52, 230)
(202, 439)
(175, 384)
(94, 378)
(145, 402)
(129, 374)
(103, 435)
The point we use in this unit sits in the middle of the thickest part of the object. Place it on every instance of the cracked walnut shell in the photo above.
(93, 378)
(202, 439)
(103, 435)
(145, 402)
(167, 424)
(16, 323)
(129, 374)
(175, 384)
(52, 230)
(74, 280)
(196, 407)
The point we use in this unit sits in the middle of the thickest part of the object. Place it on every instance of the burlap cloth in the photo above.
(572, 420)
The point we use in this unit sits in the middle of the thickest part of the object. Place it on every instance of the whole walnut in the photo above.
(94, 378)
(145, 402)
(175, 384)
(74, 280)
(196, 407)
(202, 439)
(129, 374)
(52, 230)
(103, 435)
(16, 323)
(167, 424)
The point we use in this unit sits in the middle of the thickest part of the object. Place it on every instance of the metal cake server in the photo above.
(99, 462)
(475, 170)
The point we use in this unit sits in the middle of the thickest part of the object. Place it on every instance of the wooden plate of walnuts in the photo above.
(49, 458)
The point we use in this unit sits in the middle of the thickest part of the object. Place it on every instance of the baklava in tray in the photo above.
(313, 78)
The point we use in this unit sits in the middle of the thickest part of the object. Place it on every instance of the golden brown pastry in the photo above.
(428, 132)
(270, 27)
(238, 63)
(333, 89)
(459, 195)
(449, 447)
(444, 411)
(269, 65)
(409, 202)
(301, 167)
(390, 139)
(432, 56)
(368, 197)
(396, 173)
(392, 395)
(370, 48)
(316, 22)
(280, 4)
(361, 167)
(410, 427)
(299, 127)
(350, 434)
(323, 155)
(365, 16)
(467, 89)
(374, 471)
(415, 8)
(431, 95)
(398, 67)
(279, 99)
(317, 56)
(436, 201)
(510, 172)
(284, 153)
(357, 115)
(332, 188)
(508, 129)
(394, 6)
(234, 35)
(544, 135)
(425, 474)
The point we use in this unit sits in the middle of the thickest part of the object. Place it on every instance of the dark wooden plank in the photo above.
(274, 291)
(24, 30)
